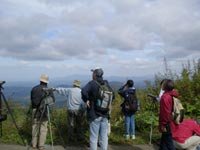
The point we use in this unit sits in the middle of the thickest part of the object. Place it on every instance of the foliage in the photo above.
(187, 84)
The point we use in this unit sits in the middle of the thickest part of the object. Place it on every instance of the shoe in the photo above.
(126, 136)
(41, 148)
(34, 147)
(133, 137)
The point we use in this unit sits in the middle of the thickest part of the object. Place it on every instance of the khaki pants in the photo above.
(39, 130)
(190, 144)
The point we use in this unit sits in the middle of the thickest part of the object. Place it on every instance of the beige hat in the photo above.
(77, 83)
(44, 78)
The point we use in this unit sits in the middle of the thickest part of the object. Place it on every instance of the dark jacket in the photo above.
(122, 92)
(37, 94)
(90, 92)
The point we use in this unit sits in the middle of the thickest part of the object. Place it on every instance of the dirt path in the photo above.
(111, 147)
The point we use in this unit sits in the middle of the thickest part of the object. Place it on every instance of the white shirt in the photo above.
(73, 97)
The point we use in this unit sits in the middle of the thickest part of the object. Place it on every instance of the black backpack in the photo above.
(130, 101)
(104, 98)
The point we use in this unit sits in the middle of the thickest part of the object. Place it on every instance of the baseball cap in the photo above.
(98, 71)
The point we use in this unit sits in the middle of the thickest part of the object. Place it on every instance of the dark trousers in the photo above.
(75, 124)
(166, 142)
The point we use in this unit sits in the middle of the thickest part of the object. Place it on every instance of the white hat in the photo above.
(44, 78)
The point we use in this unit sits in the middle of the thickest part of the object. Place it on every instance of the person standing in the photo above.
(129, 107)
(98, 108)
(39, 119)
(165, 120)
(162, 83)
(75, 108)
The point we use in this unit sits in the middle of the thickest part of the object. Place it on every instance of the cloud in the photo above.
(82, 29)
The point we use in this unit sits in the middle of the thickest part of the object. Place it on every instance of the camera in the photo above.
(2, 82)
(49, 100)
(153, 97)
(48, 89)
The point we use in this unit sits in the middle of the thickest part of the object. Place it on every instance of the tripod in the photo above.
(4, 117)
(48, 103)
(154, 109)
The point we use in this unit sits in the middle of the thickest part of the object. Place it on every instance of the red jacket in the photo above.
(166, 108)
(184, 130)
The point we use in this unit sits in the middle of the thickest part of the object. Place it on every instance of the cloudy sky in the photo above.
(124, 37)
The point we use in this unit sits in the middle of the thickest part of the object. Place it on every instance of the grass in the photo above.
(11, 136)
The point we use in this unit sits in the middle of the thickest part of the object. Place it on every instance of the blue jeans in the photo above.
(198, 147)
(130, 124)
(99, 126)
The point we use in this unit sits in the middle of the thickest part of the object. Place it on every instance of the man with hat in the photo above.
(75, 108)
(40, 121)
(97, 117)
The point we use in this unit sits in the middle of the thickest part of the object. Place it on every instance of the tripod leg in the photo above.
(59, 132)
(13, 119)
(151, 131)
(1, 129)
(154, 109)
(1, 134)
(49, 120)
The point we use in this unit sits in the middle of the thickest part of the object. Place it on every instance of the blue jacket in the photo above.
(123, 91)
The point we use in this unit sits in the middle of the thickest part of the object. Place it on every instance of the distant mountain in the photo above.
(18, 94)
(20, 91)
(116, 80)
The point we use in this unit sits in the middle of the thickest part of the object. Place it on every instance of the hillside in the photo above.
(19, 92)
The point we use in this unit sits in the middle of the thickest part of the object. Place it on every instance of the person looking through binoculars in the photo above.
(39, 117)
(129, 107)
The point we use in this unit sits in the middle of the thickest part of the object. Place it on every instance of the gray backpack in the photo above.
(104, 99)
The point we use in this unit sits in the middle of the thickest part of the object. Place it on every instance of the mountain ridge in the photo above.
(19, 91)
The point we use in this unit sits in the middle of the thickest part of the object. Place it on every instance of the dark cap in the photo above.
(130, 83)
(98, 71)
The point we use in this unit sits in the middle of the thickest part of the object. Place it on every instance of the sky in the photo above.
(69, 37)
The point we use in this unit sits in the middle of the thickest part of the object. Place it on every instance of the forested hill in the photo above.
(20, 93)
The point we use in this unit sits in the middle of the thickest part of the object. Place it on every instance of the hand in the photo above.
(53, 89)
(164, 129)
(125, 84)
(88, 103)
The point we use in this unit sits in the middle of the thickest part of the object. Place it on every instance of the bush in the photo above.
(187, 84)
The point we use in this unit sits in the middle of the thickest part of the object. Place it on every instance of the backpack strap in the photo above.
(104, 83)
(97, 83)
(172, 109)
(172, 104)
